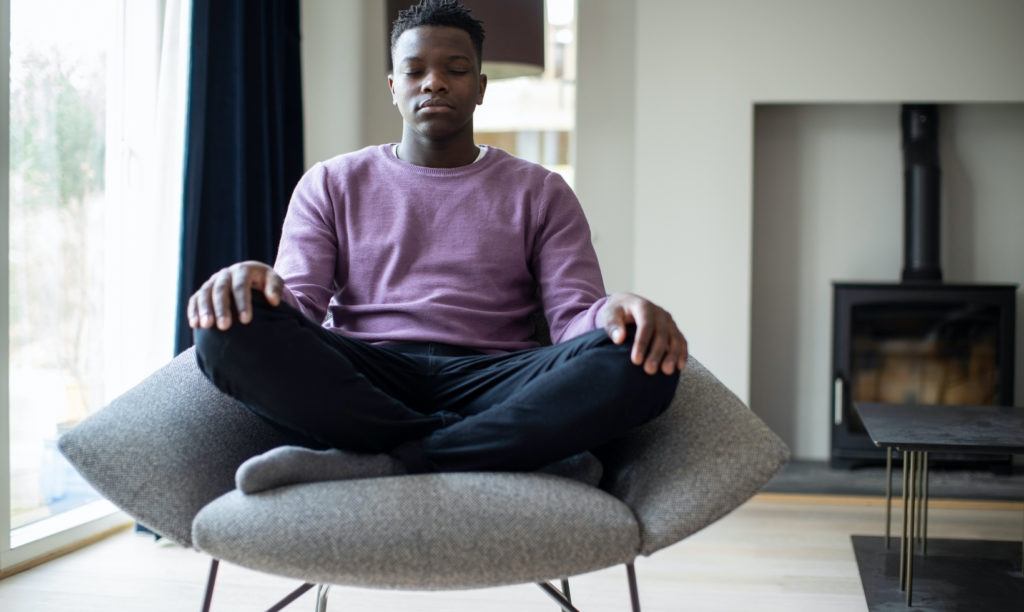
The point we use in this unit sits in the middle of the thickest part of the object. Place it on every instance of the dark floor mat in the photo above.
(955, 576)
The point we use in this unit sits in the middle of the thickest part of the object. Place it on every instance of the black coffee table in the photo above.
(917, 430)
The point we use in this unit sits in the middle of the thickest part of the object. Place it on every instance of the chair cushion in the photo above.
(425, 532)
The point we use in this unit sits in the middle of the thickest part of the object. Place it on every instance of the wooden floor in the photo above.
(776, 552)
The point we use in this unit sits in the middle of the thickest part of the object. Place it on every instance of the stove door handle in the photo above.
(837, 401)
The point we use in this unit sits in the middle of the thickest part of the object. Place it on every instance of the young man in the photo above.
(393, 334)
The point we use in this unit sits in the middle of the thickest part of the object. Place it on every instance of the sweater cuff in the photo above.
(594, 310)
(584, 322)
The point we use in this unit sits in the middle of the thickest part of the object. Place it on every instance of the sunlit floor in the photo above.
(773, 553)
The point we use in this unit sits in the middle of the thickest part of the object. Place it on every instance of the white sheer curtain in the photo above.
(144, 173)
(129, 282)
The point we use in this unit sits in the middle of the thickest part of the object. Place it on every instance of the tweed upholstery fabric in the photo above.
(426, 532)
(167, 447)
(171, 444)
(700, 459)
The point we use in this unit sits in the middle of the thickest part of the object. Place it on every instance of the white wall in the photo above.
(605, 133)
(702, 65)
(379, 119)
(346, 104)
(332, 77)
(828, 205)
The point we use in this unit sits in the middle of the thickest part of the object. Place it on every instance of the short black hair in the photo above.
(449, 13)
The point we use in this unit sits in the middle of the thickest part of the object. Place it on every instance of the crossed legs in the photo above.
(526, 409)
(516, 411)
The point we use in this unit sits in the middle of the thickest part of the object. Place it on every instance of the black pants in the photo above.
(436, 407)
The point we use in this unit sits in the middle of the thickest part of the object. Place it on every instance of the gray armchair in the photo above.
(166, 453)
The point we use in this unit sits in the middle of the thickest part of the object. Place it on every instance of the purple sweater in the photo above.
(398, 252)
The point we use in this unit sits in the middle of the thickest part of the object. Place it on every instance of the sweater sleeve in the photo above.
(308, 253)
(565, 264)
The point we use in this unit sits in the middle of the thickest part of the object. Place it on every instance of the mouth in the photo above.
(434, 104)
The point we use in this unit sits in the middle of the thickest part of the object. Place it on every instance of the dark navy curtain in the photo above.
(243, 152)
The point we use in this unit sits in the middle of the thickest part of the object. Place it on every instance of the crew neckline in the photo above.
(485, 159)
(481, 151)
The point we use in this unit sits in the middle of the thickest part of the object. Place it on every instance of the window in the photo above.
(535, 117)
(97, 99)
(57, 147)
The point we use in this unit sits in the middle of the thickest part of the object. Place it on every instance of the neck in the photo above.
(460, 150)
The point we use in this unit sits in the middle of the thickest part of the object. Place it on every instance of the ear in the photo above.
(391, 88)
(483, 88)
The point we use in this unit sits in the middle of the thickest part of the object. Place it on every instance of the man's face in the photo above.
(436, 82)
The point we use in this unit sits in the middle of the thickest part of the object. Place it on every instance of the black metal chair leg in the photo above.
(208, 598)
(634, 596)
(290, 597)
(563, 597)
(555, 594)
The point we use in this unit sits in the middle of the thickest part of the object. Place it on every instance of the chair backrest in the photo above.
(168, 447)
(701, 458)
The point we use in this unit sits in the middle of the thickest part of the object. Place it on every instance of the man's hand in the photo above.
(215, 296)
(657, 338)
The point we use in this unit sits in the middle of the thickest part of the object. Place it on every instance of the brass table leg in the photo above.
(911, 532)
(924, 538)
(888, 494)
(918, 505)
(903, 535)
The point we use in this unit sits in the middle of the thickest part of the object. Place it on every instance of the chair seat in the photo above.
(423, 532)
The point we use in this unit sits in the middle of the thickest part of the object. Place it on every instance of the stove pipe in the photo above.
(921, 178)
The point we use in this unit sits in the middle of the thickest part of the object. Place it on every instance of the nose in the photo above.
(434, 82)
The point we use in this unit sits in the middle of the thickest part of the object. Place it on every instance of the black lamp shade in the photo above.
(513, 34)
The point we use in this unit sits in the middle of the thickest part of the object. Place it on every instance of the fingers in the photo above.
(204, 306)
(659, 346)
(273, 287)
(668, 364)
(644, 334)
(192, 312)
(247, 276)
(241, 281)
(676, 355)
(221, 297)
(616, 326)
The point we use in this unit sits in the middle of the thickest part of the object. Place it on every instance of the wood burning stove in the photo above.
(919, 342)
